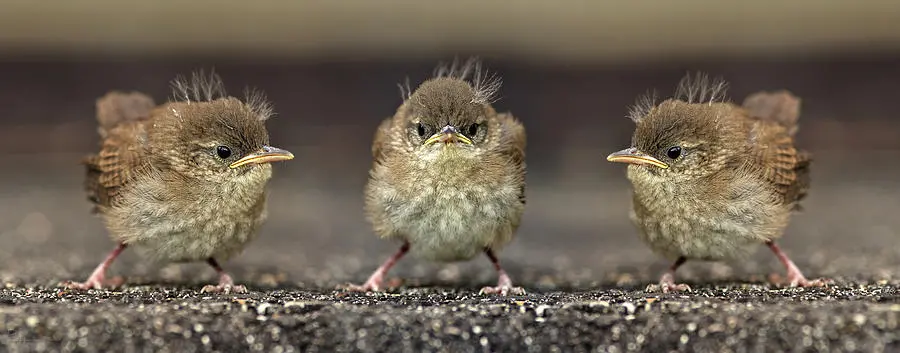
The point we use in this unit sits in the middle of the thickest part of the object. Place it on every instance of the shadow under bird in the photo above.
(448, 178)
(712, 180)
(183, 181)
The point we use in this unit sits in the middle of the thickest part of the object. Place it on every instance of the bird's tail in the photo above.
(781, 107)
(116, 107)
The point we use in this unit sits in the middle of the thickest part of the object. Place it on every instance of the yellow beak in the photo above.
(266, 155)
(633, 156)
(448, 135)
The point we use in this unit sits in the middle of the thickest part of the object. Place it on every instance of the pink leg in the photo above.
(667, 281)
(374, 281)
(226, 284)
(504, 284)
(98, 277)
(794, 276)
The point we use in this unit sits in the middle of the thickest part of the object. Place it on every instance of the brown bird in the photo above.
(184, 181)
(712, 179)
(448, 178)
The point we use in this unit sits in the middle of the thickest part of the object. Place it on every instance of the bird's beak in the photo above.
(448, 135)
(633, 156)
(266, 155)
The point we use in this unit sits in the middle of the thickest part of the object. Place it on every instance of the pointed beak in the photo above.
(267, 154)
(448, 135)
(633, 156)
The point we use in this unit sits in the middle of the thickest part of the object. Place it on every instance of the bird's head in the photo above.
(452, 113)
(208, 135)
(689, 136)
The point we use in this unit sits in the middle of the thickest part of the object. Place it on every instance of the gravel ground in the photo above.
(716, 318)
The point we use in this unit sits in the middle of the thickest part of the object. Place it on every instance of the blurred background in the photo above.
(570, 71)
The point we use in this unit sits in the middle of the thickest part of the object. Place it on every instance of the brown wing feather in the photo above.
(122, 119)
(514, 144)
(784, 166)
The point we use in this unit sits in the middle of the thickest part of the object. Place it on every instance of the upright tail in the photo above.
(781, 107)
(116, 107)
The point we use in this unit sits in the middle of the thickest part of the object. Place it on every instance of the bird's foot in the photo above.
(503, 290)
(504, 286)
(796, 279)
(667, 284)
(373, 284)
(95, 281)
(226, 286)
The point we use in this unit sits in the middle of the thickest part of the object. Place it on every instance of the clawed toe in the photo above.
(224, 289)
(89, 284)
(502, 290)
(366, 287)
(665, 287)
(93, 282)
(802, 282)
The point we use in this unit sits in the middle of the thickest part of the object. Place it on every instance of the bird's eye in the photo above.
(420, 129)
(473, 129)
(674, 152)
(223, 152)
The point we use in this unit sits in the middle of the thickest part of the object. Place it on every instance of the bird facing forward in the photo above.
(711, 180)
(448, 178)
(184, 181)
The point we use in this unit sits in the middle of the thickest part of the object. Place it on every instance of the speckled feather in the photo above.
(736, 182)
(450, 203)
(157, 182)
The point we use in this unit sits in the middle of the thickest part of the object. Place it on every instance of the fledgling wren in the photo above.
(184, 181)
(711, 180)
(448, 178)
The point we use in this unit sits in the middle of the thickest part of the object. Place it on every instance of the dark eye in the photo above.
(674, 152)
(223, 152)
(473, 129)
(420, 129)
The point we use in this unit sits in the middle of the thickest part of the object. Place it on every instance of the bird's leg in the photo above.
(794, 276)
(98, 277)
(504, 284)
(667, 281)
(374, 281)
(226, 284)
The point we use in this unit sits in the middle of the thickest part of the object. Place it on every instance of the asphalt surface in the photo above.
(576, 253)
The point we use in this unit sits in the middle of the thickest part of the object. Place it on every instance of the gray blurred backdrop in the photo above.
(570, 71)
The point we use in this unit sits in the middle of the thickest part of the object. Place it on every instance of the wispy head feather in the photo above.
(642, 106)
(485, 84)
(202, 87)
(199, 88)
(694, 89)
(258, 103)
(405, 90)
(699, 88)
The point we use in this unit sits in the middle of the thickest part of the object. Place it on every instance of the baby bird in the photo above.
(712, 179)
(184, 181)
(448, 178)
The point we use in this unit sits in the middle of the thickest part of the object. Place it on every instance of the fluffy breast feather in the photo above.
(448, 207)
(716, 219)
(155, 215)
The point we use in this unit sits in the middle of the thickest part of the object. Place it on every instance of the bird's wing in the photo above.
(122, 153)
(381, 138)
(514, 145)
(785, 167)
